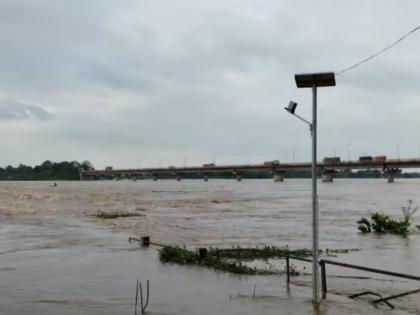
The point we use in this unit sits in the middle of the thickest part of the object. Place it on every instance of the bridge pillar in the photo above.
(279, 176)
(206, 178)
(327, 176)
(178, 178)
(391, 173)
(155, 178)
(238, 175)
(88, 177)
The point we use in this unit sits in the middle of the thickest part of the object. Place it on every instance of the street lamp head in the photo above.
(308, 80)
(291, 108)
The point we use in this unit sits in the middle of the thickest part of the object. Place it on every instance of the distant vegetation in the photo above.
(46, 171)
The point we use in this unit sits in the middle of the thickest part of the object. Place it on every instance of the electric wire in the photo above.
(399, 40)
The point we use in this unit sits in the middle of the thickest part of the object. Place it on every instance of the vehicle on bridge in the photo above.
(171, 167)
(108, 168)
(273, 162)
(365, 159)
(380, 158)
(331, 160)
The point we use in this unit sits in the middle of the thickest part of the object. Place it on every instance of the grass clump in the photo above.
(116, 214)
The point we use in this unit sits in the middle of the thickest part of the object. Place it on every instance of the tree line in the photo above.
(46, 171)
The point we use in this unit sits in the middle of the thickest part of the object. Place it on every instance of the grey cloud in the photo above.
(210, 76)
(14, 110)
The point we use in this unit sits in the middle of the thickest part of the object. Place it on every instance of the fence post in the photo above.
(288, 271)
(323, 279)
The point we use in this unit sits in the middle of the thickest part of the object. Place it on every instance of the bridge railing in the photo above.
(410, 162)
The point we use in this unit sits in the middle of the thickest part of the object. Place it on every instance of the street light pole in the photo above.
(398, 150)
(348, 152)
(315, 270)
(313, 80)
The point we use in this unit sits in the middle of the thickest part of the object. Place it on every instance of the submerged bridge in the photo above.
(390, 169)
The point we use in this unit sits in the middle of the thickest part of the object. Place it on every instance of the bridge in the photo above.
(389, 167)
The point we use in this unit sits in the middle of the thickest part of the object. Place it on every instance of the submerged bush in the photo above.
(364, 225)
(408, 212)
(382, 223)
(177, 255)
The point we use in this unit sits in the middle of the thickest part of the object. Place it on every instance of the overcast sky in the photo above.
(153, 82)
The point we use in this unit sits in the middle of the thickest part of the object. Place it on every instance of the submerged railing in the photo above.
(145, 241)
(324, 262)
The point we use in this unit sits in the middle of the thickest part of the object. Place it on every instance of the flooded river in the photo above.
(56, 257)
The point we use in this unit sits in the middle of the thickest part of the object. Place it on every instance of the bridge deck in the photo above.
(275, 167)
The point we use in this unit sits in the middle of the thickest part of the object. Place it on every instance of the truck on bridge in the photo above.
(365, 158)
(380, 158)
(271, 163)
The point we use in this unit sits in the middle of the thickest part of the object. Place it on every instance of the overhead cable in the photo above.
(379, 52)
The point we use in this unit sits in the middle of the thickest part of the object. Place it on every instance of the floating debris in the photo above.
(252, 253)
(116, 214)
(341, 250)
(229, 259)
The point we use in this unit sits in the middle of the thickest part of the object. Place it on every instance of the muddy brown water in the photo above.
(56, 258)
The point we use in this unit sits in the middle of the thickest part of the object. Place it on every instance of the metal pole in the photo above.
(315, 277)
(323, 280)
